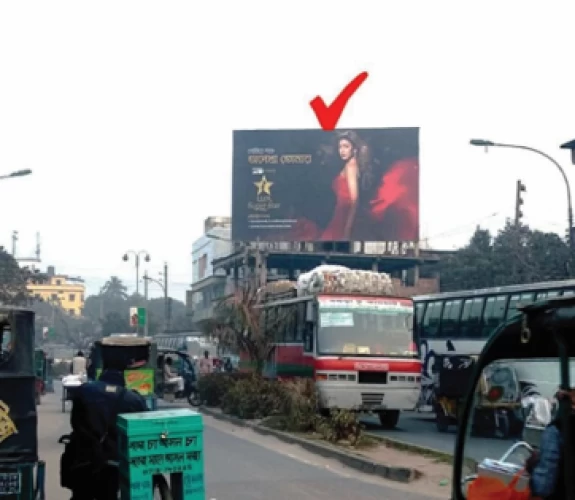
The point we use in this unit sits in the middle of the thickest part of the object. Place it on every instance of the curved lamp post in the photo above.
(137, 255)
(488, 144)
(17, 173)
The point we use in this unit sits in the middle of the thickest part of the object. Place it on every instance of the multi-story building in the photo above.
(219, 265)
(61, 290)
(208, 285)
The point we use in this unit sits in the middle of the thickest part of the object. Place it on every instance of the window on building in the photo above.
(450, 318)
(430, 326)
(54, 296)
(58, 282)
(72, 312)
(72, 297)
(471, 318)
(494, 313)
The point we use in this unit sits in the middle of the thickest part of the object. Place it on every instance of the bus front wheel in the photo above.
(388, 418)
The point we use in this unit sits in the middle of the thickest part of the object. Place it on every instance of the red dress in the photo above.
(397, 200)
(336, 228)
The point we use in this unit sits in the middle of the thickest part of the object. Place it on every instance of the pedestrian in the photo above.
(78, 366)
(88, 465)
(206, 364)
(545, 466)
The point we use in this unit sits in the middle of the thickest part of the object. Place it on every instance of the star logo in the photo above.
(264, 186)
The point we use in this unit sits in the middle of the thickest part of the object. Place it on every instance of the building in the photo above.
(219, 264)
(208, 285)
(61, 290)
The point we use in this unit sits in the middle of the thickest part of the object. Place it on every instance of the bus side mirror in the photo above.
(496, 417)
(309, 312)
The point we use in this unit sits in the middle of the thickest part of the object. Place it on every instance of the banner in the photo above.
(313, 185)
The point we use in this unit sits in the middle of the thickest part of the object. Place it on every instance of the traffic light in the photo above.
(519, 201)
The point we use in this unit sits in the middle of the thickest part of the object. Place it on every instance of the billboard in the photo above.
(315, 185)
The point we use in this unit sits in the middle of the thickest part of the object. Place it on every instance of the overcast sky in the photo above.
(125, 110)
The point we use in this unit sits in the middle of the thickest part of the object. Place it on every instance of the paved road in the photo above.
(241, 465)
(419, 429)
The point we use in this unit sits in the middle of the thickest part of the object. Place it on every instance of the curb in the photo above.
(351, 460)
(412, 448)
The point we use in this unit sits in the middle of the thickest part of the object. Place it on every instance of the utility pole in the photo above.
(166, 299)
(146, 302)
(519, 201)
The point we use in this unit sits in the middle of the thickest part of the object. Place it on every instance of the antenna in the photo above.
(14, 241)
(36, 257)
(38, 243)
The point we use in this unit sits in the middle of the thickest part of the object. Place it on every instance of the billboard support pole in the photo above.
(416, 269)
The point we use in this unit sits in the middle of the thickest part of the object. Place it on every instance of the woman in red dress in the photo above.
(355, 174)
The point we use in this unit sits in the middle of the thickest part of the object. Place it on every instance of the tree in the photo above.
(114, 289)
(115, 323)
(471, 266)
(240, 324)
(113, 298)
(517, 255)
(13, 281)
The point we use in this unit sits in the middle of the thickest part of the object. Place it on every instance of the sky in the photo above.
(124, 111)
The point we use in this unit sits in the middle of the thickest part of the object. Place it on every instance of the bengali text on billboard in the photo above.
(313, 185)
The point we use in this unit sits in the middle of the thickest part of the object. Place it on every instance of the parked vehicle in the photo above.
(22, 473)
(184, 367)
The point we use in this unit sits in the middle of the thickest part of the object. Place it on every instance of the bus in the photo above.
(193, 343)
(461, 322)
(359, 348)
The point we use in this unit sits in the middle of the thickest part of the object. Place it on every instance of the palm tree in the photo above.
(114, 289)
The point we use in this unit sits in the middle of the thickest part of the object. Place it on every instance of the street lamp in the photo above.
(164, 286)
(17, 173)
(487, 144)
(137, 255)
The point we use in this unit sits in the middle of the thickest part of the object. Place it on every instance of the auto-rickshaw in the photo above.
(41, 366)
(142, 377)
(19, 461)
(543, 332)
(183, 366)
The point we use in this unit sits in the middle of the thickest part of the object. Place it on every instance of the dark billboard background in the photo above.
(313, 185)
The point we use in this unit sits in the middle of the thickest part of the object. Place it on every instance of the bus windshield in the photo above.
(351, 326)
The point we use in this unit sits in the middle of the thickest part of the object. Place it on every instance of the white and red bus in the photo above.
(360, 350)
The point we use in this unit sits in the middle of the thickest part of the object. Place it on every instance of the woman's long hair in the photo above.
(363, 156)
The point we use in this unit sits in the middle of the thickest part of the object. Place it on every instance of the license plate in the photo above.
(10, 483)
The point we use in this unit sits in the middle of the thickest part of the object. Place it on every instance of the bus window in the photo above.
(300, 323)
(494, 313)
(552, 294)
(289, 325)
(450, 318)
(419, 309)
(430, 325)
(541, 296)
(567, 293)
(470, 326)
(518, 300)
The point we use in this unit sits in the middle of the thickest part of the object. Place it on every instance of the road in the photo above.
(419, 429)
(242, 465)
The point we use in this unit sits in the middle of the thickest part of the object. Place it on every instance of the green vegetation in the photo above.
(288, 406)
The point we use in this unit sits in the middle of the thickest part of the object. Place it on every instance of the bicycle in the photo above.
(159, 483)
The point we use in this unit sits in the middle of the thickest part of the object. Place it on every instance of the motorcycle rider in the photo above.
(85, 466)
